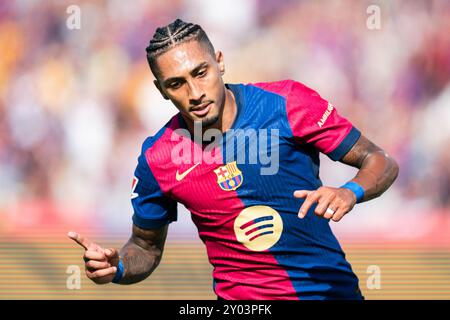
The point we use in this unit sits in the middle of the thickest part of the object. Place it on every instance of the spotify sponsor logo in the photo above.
(258, 227)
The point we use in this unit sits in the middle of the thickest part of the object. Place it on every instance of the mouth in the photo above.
(202, 109)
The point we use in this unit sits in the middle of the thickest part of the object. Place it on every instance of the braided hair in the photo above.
(173, 34)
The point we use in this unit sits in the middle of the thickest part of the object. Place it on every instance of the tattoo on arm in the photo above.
(377, 170)
(142, 253)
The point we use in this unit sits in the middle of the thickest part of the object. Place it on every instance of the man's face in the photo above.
(192, 79)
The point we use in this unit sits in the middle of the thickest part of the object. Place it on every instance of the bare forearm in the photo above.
(377, 170)
(377, 173)
(138, 262)
(142, 253)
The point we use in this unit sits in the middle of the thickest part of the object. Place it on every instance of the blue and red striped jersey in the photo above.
(240, 193)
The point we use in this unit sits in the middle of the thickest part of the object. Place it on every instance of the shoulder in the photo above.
(300, 103)
(261, 106)
(155, 151)
(158, 142)
(287, 88)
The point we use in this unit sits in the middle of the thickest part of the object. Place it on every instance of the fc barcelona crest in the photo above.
(229, 177)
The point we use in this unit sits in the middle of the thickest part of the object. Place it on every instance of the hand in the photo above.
(100, 264)
(338, 200)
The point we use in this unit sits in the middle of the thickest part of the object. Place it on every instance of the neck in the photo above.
(229, 111)
(226, 118)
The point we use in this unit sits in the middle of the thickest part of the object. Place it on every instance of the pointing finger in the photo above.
(79, 239)
(312, 198)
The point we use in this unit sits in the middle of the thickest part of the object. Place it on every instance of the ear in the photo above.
(156, 82)
(220, 62)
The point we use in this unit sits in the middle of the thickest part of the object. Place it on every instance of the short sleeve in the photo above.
(152, 208)
(315, 121)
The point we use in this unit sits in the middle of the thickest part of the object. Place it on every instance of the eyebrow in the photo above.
(195, 70)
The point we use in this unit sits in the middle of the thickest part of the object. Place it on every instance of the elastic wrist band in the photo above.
(356, 188)
(119, 272)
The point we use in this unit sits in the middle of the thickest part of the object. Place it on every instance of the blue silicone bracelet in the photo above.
(356, 188)
(119, 272)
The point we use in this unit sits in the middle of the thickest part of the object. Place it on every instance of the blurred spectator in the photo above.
(75, 105)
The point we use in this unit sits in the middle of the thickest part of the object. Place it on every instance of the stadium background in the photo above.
(75, 106)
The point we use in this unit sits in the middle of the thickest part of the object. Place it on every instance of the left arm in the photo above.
(377, 171)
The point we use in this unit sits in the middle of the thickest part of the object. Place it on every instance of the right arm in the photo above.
(153, 211)
(142, 253)
(140, 256)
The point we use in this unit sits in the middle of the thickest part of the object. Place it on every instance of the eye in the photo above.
(175, 85)
(201, 73)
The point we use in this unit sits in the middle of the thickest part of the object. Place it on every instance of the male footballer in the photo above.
(266, 230)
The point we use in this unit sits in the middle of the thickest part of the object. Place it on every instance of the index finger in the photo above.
(302, 193)
(79, 239)
(309, 201)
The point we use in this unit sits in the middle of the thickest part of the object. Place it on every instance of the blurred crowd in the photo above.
(76, 104)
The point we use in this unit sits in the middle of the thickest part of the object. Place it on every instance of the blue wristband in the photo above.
(356, 188)
(119, 272)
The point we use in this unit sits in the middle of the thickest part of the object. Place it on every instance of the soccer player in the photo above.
(267, 233)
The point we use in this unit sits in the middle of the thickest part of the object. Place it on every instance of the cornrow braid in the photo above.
(171, 35)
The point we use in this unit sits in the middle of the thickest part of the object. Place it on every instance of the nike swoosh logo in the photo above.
(181, 176)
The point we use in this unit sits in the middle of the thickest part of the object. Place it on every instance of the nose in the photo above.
(195, 93)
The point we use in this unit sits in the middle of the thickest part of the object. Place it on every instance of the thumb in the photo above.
(302, 193)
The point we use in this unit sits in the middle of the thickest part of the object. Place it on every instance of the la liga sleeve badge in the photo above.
(133, 188)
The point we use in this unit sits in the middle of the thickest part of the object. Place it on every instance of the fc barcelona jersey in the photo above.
(240, 193)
